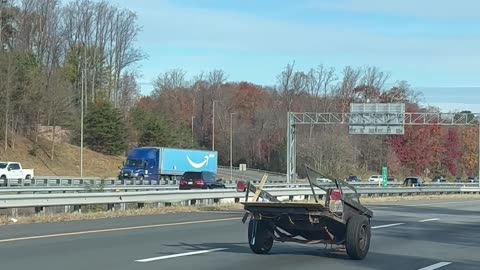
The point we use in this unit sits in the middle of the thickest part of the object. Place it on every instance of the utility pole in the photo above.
(193, 117)
(231, 145)
(213, 126)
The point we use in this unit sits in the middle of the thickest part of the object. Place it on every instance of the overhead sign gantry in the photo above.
(372, 119)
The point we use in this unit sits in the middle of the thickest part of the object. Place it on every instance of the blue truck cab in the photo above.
(160, 163)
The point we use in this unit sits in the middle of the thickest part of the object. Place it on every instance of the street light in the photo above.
(82, 107)
(231, 146)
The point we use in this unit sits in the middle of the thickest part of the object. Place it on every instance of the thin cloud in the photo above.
(196, 36)
(450, 107)
(172, 25)
(433, 9)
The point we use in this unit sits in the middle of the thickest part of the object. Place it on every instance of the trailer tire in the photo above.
(358, 237)
(260, 239)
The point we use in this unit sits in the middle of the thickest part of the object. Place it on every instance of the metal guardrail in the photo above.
(139, 188)
(97, 181)
(169, 196)
(77, 181)
(236, 170)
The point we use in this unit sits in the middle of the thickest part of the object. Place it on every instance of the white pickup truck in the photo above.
(14, 171)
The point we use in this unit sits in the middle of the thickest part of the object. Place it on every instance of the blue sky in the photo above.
(434, 45)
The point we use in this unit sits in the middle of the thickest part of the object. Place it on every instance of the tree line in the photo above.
(56, 59)
(259, 121)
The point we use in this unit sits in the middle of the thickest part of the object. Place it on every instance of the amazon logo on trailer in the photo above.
(201, 164)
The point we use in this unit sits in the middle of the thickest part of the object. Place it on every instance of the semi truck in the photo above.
(161, 163)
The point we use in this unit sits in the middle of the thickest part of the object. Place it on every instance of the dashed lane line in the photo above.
(435, 266)
(180, 255)
(116, 229)
(430, 219)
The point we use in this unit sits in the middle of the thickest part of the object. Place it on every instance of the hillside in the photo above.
(66, 161)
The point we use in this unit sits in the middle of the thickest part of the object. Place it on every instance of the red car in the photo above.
(200, 180)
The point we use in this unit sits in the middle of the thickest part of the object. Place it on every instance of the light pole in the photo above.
(213, 125)
(81, 125)
(84, 89)
(231, 146)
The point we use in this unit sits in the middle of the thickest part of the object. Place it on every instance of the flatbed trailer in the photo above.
(341, 220)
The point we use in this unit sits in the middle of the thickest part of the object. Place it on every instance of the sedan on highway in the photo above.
(353, 178)
(413, 181)
(200, 180)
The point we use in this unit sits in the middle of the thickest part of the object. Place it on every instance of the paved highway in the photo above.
(411, 235)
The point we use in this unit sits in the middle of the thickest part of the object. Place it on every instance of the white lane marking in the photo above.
(435, 266)
(379, 206)
(117, 229)
(430, 219)
(387, 225)
(441, 203)
(180, 255)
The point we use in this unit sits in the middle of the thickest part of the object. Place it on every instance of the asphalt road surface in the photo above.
(411, 235)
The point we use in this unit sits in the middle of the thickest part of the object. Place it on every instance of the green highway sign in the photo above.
(384, 176)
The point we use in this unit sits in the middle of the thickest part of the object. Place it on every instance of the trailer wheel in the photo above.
(260, 239)
(358, 237)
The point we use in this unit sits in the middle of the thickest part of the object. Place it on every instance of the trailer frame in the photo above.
(341, 220)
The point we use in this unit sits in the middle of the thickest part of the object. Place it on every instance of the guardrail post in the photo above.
(68, 209)
(123, 206)
(39, 209)
(14, 212)
(77, 208)
(110, 207)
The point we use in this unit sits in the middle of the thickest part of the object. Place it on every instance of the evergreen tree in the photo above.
(105, 130)
(156, 131)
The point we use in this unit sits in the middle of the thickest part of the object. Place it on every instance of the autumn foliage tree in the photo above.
(469, 158)
(419, 148)
(453, 151)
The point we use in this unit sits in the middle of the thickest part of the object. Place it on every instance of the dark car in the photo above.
(200, 180)
(439, 179)
(353, 178)
(415, 181)
(472, 179)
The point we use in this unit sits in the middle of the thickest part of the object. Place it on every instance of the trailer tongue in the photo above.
(341, 220)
